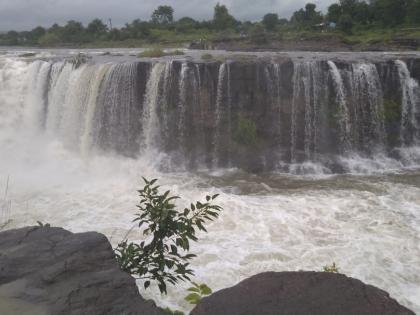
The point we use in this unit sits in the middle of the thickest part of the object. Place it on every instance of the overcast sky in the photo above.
(26, 14)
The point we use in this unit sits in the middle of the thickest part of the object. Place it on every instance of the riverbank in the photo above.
(401, 39)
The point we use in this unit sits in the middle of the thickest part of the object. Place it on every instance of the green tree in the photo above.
(185, 24)
(115, 34)
(49, 39)
(222, 20)
(413, 12)
(348, 6)
(346, 24)
(270, 21)
(308, 17)
(362, 13)
(37, 33)
(390, 12)
(164, 14)
(12, 38)
(137, 29)
(334, 12)
(162, 256)
(97, 28)
(73, 32)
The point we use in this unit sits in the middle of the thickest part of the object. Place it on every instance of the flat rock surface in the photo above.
(300, 293)
(46, 270)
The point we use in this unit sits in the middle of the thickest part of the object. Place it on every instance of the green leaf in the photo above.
(194, 289)
(205, 290)
(193, 298)
(174, 249)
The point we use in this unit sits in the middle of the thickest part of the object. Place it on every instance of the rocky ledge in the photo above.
(300, 293)
(45, 270)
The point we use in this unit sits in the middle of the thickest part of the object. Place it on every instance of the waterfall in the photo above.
(150, 121)
(305, 111)
(35, 106)
(368, 107)
(273, 83)
(90, 134)
(307, 96)
(218, 113)
(343, 112)
(182, 105)
(410, 116)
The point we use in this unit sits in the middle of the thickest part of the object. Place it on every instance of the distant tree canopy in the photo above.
(384, 13)
(270, 21)
(348, 15)
(307, 17)
(97, 28)
(164, 14)
(222, 19)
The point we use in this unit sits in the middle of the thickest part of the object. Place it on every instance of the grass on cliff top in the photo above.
(157, 53)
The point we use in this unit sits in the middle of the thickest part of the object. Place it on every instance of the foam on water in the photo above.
(369, 223)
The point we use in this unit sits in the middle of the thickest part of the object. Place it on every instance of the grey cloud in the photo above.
(26, 14)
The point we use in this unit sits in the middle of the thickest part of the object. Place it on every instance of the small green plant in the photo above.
(331, 268)
(40, 224)
(169, 311)
(245, 132)
(207, 57)
(392, 111)
(198, 291)
(157, 53)
(162, 256)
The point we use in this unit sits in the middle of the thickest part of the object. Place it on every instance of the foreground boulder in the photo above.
(300, 293)
(45, 270)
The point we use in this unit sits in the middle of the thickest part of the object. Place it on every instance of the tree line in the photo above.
(345, 16)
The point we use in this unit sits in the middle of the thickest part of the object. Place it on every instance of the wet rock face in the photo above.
(257, 113)
(53, 271)
(300, 293)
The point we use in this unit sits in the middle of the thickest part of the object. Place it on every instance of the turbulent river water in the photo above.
(366, 220)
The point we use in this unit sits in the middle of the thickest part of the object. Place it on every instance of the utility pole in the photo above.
(110, 24)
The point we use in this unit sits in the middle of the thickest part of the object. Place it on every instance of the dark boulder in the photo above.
(300, 293)
(45, 270)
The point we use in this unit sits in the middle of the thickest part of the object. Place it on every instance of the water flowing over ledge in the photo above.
(310, 116)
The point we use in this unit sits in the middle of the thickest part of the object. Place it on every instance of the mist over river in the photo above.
(338, 176)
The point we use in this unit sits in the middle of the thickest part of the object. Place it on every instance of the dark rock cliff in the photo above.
(53, 271)
(300, 293)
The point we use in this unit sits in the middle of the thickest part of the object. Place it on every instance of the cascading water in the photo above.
(75, 140)
(410, 123)
(343, 112)
(137, 109)
(150, 121)
(218, 113)
(368, 107)
(307, 97)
